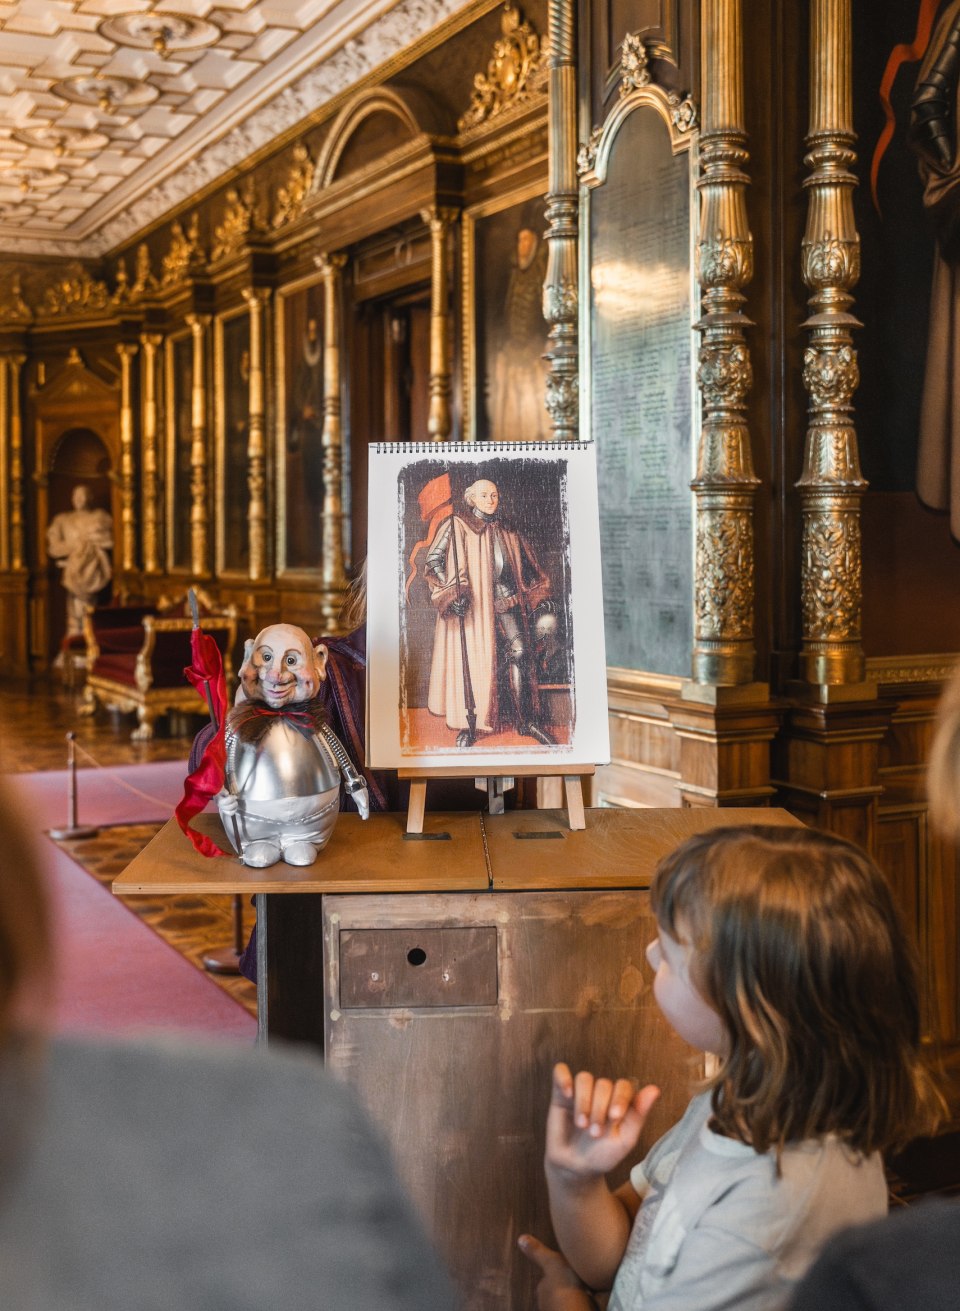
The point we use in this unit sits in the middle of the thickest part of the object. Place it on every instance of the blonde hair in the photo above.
(353, 612)
(799, 949)
(25, 929)
(943, 776)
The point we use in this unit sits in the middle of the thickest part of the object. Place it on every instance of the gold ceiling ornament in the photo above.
(75, 292)
(516, 70)
(122, 292)
(61, 140)
(241, 217)
(167, 34)
(183, 251)
(292, 194)
(111, 95)
(26, 180)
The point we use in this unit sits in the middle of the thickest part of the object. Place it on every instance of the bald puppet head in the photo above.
(282, 667)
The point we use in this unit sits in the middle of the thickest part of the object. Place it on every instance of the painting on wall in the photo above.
(233, 436)
(300, 439)
(505, 333)
(484, 611)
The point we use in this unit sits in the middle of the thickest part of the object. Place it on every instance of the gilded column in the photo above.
(199, 515)
(439, 421)
(333, 584)
(725, 483)
(831, 486)
(560, 296)
(16, 363)
(256, 298)
(150, 453)
(128, 518)
(4, 452)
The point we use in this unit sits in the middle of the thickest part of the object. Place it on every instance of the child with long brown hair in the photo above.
(780, 951)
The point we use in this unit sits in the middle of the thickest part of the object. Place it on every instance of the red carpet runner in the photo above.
(114, 974)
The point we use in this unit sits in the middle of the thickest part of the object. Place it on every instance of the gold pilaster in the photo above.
(16, 363)
(333, 582)
(725, 484)
(199, 514)
(128, 517)
(256, 298)
(4, 453)
(150, 453)
(560, 295)
(439, 421)
(831, 486)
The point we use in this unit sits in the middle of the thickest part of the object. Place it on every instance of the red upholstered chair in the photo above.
(136, 656)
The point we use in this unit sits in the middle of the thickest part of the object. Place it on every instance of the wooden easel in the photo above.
(495, 785)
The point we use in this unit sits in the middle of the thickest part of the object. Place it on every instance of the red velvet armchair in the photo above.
(136, 655)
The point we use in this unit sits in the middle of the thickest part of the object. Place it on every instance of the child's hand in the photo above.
(593, 1123)
(559, 1288)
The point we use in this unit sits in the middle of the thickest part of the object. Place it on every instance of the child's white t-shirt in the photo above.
(718, 1229)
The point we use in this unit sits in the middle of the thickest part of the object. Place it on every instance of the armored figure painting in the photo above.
(488, 590)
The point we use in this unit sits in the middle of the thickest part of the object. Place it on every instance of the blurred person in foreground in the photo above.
(160, 1175)
(911, 1258)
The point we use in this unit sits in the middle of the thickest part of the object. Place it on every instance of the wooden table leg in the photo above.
(290, 968)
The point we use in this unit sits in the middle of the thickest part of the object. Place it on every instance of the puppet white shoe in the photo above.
(300, 853)
(258, 855)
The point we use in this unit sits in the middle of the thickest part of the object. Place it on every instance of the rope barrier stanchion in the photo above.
(73, 829)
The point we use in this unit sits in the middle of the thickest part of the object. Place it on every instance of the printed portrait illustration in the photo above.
(485, 630)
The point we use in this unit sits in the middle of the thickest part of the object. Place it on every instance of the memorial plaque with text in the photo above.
(642, 410)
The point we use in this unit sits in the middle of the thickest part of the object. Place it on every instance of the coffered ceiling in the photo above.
(114, 111)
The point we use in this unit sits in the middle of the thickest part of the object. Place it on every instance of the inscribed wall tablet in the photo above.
(642, 395)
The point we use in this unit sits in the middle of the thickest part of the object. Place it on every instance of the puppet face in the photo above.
(282, 667)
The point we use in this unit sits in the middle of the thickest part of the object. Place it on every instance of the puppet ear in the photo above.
(320, 655)
(247, 653)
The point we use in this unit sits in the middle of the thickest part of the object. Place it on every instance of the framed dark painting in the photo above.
(505, 333)
(300, 426)
(233, 436)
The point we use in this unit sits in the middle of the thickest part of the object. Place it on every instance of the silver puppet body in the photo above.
(281, 793)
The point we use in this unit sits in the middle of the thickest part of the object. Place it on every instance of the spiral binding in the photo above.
(488, 449)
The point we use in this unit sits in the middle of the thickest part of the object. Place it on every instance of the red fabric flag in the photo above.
(206, 675)
(435, 502)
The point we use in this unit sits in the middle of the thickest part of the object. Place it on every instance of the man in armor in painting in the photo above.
(488, 591)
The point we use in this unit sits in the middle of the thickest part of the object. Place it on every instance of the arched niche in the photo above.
(371, 126)
(76, 423)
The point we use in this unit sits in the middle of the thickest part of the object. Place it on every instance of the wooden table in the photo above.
(444, 974)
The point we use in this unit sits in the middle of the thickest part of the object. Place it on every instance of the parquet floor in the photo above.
(34, 721)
